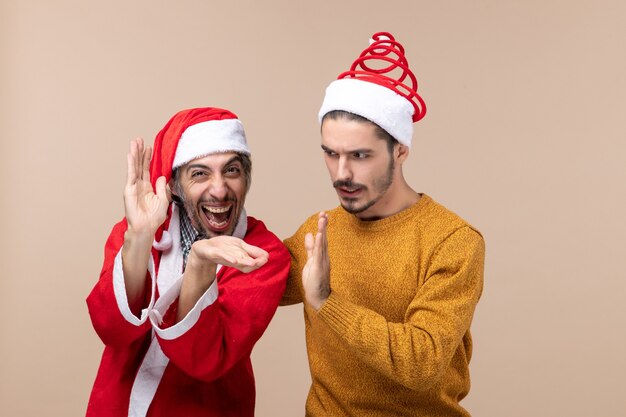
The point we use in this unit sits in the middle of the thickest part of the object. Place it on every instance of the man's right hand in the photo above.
(145, 210)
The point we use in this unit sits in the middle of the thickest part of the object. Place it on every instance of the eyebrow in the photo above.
(236, 158)
(363, 150)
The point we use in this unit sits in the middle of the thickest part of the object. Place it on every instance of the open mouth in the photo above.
(218, 218)
(349, 191)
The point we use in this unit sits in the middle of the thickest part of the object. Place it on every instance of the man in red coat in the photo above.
(187, 288)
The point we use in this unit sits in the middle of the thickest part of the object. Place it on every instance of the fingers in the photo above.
(308, 245)
(147, 155)
(321, 243)
(231, 251)
(242, 261)
(322, 222)
(162, 190)
(253, 257)
(130, 170)
(255, 251)
(317, 246)
(316, 271)
(130, 163)
(138, 154)
(134, 160)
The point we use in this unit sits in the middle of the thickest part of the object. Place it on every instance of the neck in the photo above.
(398, 197)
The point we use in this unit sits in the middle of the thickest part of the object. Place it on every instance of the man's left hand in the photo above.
(228, 251)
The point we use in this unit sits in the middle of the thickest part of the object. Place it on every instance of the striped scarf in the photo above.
(188, 234)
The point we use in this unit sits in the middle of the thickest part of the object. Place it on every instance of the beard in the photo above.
(381, 185)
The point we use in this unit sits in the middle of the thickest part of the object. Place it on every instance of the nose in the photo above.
(218, 189)
(344, 173)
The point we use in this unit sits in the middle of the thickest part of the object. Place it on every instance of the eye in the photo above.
(329, 152)
(232, 170)
(359, 155)
(196, 174)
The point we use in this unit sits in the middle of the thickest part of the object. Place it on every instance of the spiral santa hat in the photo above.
(379, 87)
(192, 134)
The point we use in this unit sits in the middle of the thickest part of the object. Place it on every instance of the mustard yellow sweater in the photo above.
(393, 337)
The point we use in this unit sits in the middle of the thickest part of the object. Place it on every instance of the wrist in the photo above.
(317, 301)
(142, 236)
(199, 266)
(136, 245)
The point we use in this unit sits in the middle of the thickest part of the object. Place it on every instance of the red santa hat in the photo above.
(192, 134)
(380, 87)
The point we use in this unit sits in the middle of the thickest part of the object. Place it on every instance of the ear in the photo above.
(401, 153)
(170, 190)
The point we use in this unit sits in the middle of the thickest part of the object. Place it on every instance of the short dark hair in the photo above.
(380, 132)
(246, 164)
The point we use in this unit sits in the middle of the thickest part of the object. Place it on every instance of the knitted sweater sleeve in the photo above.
(415, 352)
(295, 244)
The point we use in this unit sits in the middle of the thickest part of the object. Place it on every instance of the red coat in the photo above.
(209, 372)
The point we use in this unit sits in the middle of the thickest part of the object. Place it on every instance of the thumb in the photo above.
(162, 189)
(254, 251)
(308, 245)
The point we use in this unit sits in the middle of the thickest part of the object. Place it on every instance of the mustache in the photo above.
(181, 200)
(347, 184)
(216, 201)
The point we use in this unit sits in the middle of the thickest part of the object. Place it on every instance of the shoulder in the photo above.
(443, 222)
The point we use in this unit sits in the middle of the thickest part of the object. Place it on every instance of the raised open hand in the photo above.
(316, 271)
(145, 210)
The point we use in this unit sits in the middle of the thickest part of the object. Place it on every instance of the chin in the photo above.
(358, 209)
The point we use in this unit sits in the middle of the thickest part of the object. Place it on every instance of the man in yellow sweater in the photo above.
(390, 278)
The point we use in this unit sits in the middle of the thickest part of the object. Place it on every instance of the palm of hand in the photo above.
(231, 251)
(145, 209)
(316, 271)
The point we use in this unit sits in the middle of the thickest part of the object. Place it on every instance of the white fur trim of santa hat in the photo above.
(379, 104)
(213, 136)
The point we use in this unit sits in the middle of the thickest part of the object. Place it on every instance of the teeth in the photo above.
(217, 209)
(215, 224)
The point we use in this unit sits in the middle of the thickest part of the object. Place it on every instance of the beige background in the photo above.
(524, 137)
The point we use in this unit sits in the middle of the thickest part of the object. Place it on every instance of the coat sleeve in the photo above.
(416, 352)
(228, 326)
(107, 303)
